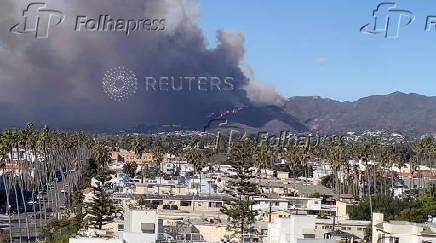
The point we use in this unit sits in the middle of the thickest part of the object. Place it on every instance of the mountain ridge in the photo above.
(411, 113)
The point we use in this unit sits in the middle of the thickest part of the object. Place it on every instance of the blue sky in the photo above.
(316, 48)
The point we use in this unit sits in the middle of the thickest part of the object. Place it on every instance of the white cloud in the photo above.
(322, 60)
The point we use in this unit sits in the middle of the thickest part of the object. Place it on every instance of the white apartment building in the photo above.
(294, 229)
(402, 231)
(287, 203)
(321, 170)
(140, 226)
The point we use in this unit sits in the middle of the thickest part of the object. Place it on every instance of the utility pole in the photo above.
(334, 221)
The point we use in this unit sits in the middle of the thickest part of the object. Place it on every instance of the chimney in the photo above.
(377, 218)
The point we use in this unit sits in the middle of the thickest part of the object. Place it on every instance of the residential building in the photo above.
(194, 202)
(139, 226)
(292, 204)
(283, 175)
(130, 156)
(294, 229)
(321, 170)
(175, 166)
(353, 230)
(401, 231)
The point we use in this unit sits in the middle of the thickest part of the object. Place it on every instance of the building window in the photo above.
(185, 203)
(147, 228)
(120, 227)
(394, 240)
(215, 204)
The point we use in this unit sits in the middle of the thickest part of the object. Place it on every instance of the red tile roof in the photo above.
(87, 190)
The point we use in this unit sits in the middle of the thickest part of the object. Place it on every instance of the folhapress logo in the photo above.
(38, 19)
(388, 20)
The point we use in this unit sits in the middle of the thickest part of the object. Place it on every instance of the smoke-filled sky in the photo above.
(296, 48)
(58, 80)
(315, 47)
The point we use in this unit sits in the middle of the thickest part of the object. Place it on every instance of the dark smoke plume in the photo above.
(58, 80)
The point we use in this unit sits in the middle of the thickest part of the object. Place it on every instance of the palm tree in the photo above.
(4, 150)
(261, 158)
(427, 143)
(373, 147)
(60, 152)
(384, 156)
(24, 137)
(138, 146)
(292, 158)
(195, 157)
(32, 184)
(363, 151)
(158, 153)
(432, 155)
(15, 143)
(42, 144)
(335, 155)
(101, 154)
(418, 148)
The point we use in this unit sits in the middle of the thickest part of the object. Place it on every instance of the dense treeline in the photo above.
(74, 158)
(414, 209)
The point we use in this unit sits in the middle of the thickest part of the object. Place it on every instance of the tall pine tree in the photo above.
(101, 208)
(239, 212)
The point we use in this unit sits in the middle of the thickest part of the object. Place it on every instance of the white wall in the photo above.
(316, 241)
(314, 204)
(138, 238)
(134, 218)
(286, 230)
(94, 240)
